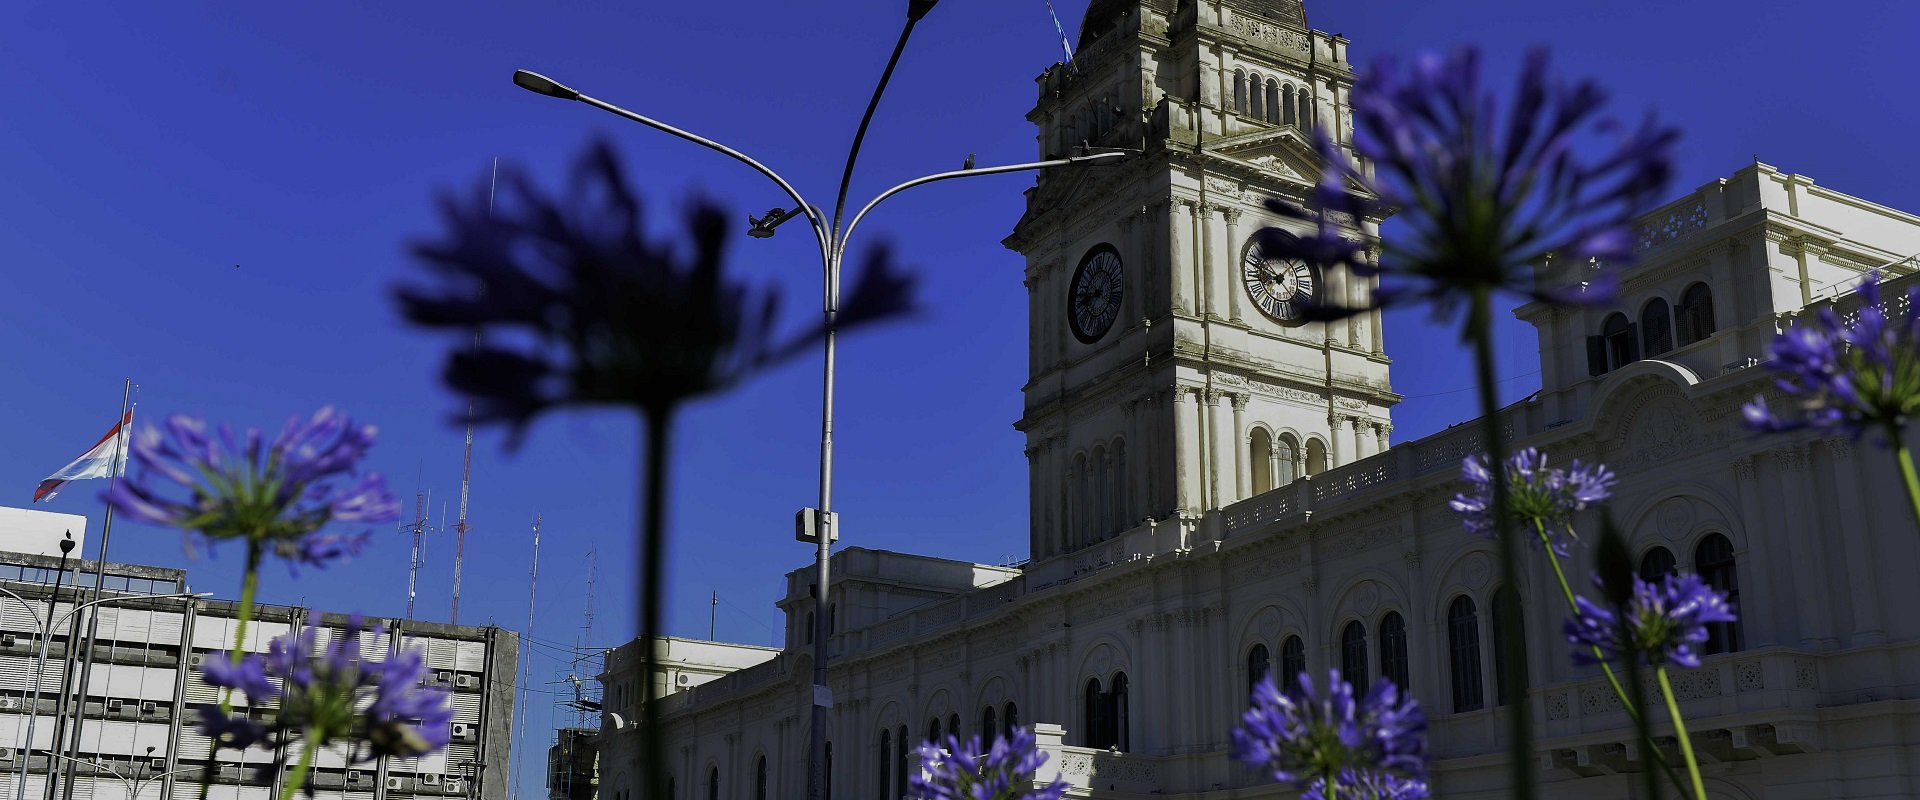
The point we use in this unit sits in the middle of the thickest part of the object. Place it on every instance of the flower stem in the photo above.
(1642, 728)
(299, 776)
(1905, 457)
(249, 586)
(1507, 604)
(1680, 731)
(1332, 791)
(652, 550)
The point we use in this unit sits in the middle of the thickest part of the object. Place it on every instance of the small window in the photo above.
(1713, 559)
(933, 731)
(1258, 665)
(1656, 565)
(900, 772)
(760, 779)
(989, 727)
(885, 761)
(1656, 328)
(1695, 314)
(1293, 661)
(1096, 715)
(1239, 91)
(953, 724)
(1316, 457)
(1287, 454)
(1119, 734)
(1258, 110)
(1463, 655)
(1011, 719)
(1286, 103)
(1273, 101)
(1617, 333)
(1306, 109)
(1393, 651)
(1353, 656)
(713, 783)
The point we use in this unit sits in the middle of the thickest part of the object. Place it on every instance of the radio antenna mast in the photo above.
(419, 528)
(533, 588)
(461, 527)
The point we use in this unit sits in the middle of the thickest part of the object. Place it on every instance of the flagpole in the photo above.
(71, 747)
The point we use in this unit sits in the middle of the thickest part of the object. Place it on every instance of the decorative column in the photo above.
(1342, 440)
(1194, 285)
(1273, 464)
(1076, 509)
(1036, 496)
(1244, 484)
(1218, 438)
(1851, 508)
(1186, 452)
(1229, 262)
(1380, 432)
(1057, 493)
(1362, 440)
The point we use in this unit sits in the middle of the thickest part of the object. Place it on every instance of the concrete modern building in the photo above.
(1213, 496)
(138, 733)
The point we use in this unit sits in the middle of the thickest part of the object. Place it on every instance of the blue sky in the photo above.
(214, 198)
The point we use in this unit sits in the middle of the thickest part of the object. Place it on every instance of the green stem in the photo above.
(1600, 656)
(1680, 731)
(299, 776)
(1905, 457)
(1332, 791)
(1642, 729)
(1512, 653)
(249, 586)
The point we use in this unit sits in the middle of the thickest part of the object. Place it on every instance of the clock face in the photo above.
(1093, 302)
(1281, 288)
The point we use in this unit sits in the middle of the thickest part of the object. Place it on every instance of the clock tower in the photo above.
(1169, 371)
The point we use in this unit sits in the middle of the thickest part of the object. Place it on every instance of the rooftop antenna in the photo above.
(461, 527)
(586, 628)
(533, 587)
(418, 528)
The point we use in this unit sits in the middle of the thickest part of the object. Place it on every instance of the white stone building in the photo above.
(1212, 495)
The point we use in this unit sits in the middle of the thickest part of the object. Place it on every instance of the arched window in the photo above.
(989, 728)
(1273, 101)
(1101, 505)
(1258, 107)
(1286, 457)
(1286, 104)
(1118, 733)
(713, 783)
(900, 770)
(1616, 334)
(1463, 655)
(1082, 511)
(933, 731)
(1656, 328)
(1316, 457)
(953, 725)
(1306, 109)
(1239, 91)
(1096, 714)
(760, 778)
(1656, 564)
(1293, 661)
(1353, 656)
(1393, 651)
(1499, 661)
(1011, 719)
(1695, 314)
(1119, 490)
(809, 627)
(1713, 559)
(1260, 460)
(1259, 663)
(885, 760)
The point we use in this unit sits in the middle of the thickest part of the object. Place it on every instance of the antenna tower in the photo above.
(461, 527)
(533, 588)
(419, 530)
(585, 649)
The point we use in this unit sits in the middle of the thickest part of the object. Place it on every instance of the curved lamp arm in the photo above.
(541, 84)
(31, 611)
(968, 173)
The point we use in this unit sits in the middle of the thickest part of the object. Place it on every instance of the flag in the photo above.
(107, 458)
(1064, 45)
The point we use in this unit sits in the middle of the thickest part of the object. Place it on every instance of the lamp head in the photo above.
(541, 84)
(762, 227)
(919, 8)
(66, 545)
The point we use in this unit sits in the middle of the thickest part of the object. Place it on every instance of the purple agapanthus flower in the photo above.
(958, 770)
(1847, 378)
(1370, 785)
(1304, 736)
(1665, 620)
(1485, 201)
(1537, 493)
(330, 696)
(277, 495)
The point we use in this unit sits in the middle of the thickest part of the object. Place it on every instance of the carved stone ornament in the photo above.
(1675, 518)
(1475, 569)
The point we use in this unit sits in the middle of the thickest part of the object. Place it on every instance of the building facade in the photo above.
(139, 730)
(1213, 497)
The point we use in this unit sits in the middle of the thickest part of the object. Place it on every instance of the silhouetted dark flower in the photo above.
(1303, 737)
(329, 697)
(1482, 201)
(275, 497)
(1665, 619)
(580, 307)
(1544, 496)
(959, 771)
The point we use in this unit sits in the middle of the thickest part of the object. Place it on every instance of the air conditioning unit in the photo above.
(456, 785)
(396, 783)
(156, 763)
(443, 676)
(682, 679)
(466, 681)
(462, 731)
(9, 702)
(353, 776)
(149, 707)
(6, 755)
(194, 660)
(7, 640)
(430, 779)
(114, 704)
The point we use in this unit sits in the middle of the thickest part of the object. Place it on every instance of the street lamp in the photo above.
(45, 629)
(134, 784)
(816, 525)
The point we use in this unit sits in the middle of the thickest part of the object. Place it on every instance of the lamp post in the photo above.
(816, 525)
(45, 629)
(134, 784)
